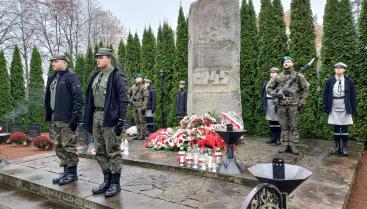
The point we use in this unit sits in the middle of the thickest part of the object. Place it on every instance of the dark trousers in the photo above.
(150, 124)
(341, 133)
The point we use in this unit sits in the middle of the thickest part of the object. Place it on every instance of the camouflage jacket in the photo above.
(300, 86)
(138, 95)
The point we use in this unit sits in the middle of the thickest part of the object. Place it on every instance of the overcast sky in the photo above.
(136, 14)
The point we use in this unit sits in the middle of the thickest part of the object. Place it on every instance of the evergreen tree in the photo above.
(69, 60)
(279, 36)
(121, 55)
(5, 93)
(165, 61)
(36, 90)
(266, 58)
(17, 81)
(80, 70)
(90, 65)
(148, 53)
(182, 40)
(114, 58)
(138, 52)
(132, 55)
(303, 49)
(248, 65)
(359, 76)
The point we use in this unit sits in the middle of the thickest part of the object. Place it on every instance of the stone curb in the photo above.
(50, 193)
(247, 180)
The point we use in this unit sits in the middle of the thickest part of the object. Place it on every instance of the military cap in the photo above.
(285, 58)
(139, 75)
(58, 57)
(182, 83)
(104, 52)
(147, 80)
(340, 64)
(274, 70)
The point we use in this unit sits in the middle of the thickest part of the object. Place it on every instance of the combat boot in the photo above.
(105, 184)
(337, 150)
(294, 149)
(345, 149)
(57, 180)
(71, 176)
(115, 187)
(286, 149)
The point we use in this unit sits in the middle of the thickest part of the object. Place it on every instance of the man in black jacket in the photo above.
(150, 108)
(181, 101)
(340, 104)
(106, 107)
(63, 103)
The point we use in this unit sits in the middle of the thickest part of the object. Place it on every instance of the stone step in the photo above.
(11, 198)
(141, 187)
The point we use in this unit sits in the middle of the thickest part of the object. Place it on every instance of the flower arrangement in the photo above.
(43, 143)
(192, 130)
(19, 138)
(132, 131)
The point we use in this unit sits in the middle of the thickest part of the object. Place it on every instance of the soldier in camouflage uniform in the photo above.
(290, 102)
(106, 107)
(138, 96)
(63, 103)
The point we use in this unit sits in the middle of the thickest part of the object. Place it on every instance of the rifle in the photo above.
(286, 90)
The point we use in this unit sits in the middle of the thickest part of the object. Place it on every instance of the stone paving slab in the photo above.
(141, 187)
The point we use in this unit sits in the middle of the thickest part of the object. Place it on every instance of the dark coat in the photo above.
(68, 100)
(350, 95)
(151, 99)
(181, 102)
(264, 102)
(115, 104)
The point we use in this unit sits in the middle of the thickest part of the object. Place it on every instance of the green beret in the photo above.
(58, 57)
(340, 64)
(274, 70)
(285, 58)
(104, 52)
(139, 75)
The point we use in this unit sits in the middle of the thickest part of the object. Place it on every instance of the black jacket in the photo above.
(68, 101)
(151, 99)
(115, 104)
(350, 95)
(181, 102)
(264, 102)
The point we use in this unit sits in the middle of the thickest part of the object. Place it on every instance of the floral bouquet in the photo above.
(43, 143)
(132, 131)
(19, 138)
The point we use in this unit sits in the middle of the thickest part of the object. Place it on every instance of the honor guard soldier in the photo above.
(339, 102)
(106, 107)
(63, 103)
(269, 110)
(289, 102)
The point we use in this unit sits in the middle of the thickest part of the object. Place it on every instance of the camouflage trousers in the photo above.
(108, 151)
(65, 143)
(288, 120)
(140, 122)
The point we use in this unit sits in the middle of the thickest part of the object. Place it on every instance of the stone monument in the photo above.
(214, 57)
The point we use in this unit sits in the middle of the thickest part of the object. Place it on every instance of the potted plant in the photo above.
(43, 143)
(18, 138)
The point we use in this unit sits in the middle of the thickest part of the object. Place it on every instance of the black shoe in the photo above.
(71, 176)
(286, 149)
(337, 150)
(345, 149)
(114, 188)
(57, 180)
(105, 184)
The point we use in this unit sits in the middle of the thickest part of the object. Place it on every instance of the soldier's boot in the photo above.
(294, 149)
(57, 180)
(272, 139)
(115, 187)
(277, 138)
(71, 175)
(286, 149)
(345, 148)
(105, 184)
(337, 149)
